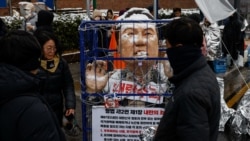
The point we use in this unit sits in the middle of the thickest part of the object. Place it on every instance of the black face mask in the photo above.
(182, 57)
(31, 64)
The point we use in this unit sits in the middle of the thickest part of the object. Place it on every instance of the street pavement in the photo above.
(75, 71)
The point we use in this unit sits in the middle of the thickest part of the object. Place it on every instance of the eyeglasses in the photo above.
(50, 49)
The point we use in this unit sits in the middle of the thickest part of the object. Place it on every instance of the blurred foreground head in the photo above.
(177, 12)
(20, 49)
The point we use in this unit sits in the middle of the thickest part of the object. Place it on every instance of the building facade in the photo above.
(110, 4)
(244, 5)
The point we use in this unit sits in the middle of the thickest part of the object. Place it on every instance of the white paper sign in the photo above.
(122, 124)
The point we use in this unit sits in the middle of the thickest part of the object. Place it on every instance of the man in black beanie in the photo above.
(44, 21)
(193, 112)
(24, 115)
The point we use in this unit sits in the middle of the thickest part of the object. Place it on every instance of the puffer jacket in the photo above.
(58, 86)
(193, 112)
(24, 115)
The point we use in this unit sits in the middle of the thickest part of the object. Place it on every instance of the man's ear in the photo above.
(168, 45)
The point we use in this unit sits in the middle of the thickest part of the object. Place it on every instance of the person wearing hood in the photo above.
(28, 11)
(24, 114)
(193, 111)
(97, 15)
(44, 21)
(110, 15)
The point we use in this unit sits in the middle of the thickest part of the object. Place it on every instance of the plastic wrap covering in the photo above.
(226, 112)
(147, 134)
(213, 38)
(240, 122)
(237, 122)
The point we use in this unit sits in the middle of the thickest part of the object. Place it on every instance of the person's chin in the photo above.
(50, 58)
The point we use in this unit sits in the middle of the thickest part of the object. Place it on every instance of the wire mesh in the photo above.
(123, 88)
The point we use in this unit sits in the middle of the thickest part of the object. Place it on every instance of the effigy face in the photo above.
(138, 47)
(139, 40)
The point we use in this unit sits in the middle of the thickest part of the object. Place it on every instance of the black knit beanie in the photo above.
(20, 49)
(44, 18)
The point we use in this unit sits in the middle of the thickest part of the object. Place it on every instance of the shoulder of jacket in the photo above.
(23, 95)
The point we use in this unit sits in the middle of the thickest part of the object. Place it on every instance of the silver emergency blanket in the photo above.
(147, 134)
(238, 120)
(245, 24)
(213, 40)
(226, 112)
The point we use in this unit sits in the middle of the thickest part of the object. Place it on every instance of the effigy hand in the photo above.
(96, 76)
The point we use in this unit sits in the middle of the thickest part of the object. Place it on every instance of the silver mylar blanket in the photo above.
(238, 119)
(212, 35)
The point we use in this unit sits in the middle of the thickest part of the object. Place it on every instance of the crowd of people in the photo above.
(37, 88)
(193, 45)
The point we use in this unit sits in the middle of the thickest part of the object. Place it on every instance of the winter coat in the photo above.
(193, 112)
(24, 116)
(58, 86)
